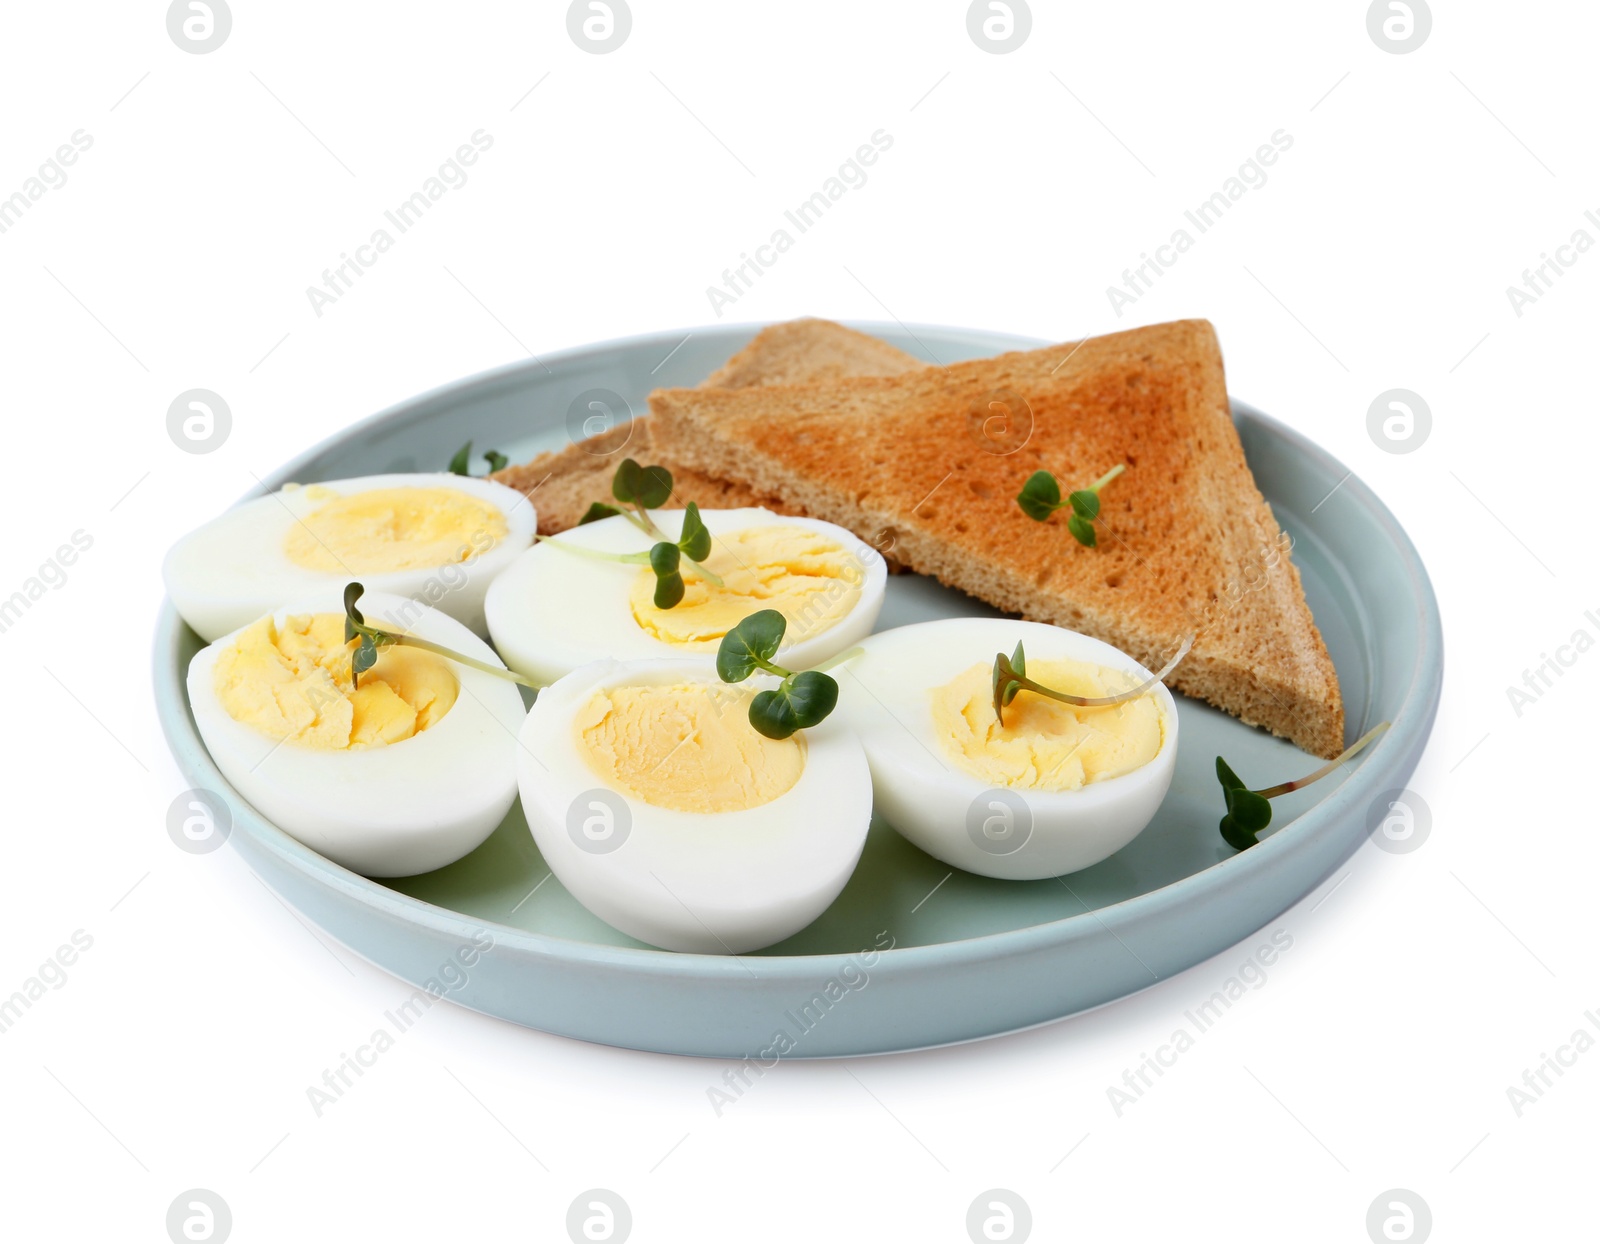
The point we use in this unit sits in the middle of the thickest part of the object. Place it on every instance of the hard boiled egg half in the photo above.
(559, 606)
(664, 813)
(399, 772)
(437, 538)
(1052, 789)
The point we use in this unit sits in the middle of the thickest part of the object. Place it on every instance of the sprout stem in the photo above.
(412, 641)
(633, 559)
(387, 639)
(1107, 477)
(772, 668)
(849, 654)
(1009, 676)
(700, 569)
(640, 518)
(1283, 788)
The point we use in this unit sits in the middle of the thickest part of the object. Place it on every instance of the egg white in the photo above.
(885, 695)
(234, 569)
(554, 610)
(387, 811)
(722, 883)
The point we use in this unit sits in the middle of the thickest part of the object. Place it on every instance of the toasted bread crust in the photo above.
(563, 483)
(927, 465)
(809, 351)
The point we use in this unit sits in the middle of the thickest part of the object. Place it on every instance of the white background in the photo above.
(1377, 255)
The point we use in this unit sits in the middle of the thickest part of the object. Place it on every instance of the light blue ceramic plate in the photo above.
(910, 955)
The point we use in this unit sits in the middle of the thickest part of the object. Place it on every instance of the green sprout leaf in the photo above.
(1248, 811)
(656, 489)
(373, 638)
(597, 511)
(695, 541)
(1040, 496)
(801, 700)
(1019, 664)
(750, 645)
(352, 616)
(1005, 682)
(669, 590)
(664, 557)
(647, 487)
(1010, 675)
(664, 560)
(773, 714)
(625, 482)
(461, 464)
(813, 695)
(1000, 683)
(1085, 502)
(363, 658)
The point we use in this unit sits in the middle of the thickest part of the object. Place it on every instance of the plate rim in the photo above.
(1395, 752)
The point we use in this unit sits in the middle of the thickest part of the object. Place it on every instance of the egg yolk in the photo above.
(810, 579)
(293, 683)
(686, 746)
(1044, 744)
(387, 529)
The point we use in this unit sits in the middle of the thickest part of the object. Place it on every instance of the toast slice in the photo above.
(927, 465)
(563, 483)
(809, 351)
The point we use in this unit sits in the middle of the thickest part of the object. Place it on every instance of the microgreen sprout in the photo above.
(665, 557)
(597, 511)
(800, 700)
(461, 464)
(643, 489)
(1248, 810)
(1041, 497)
(372, 639)
(1011, 676)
